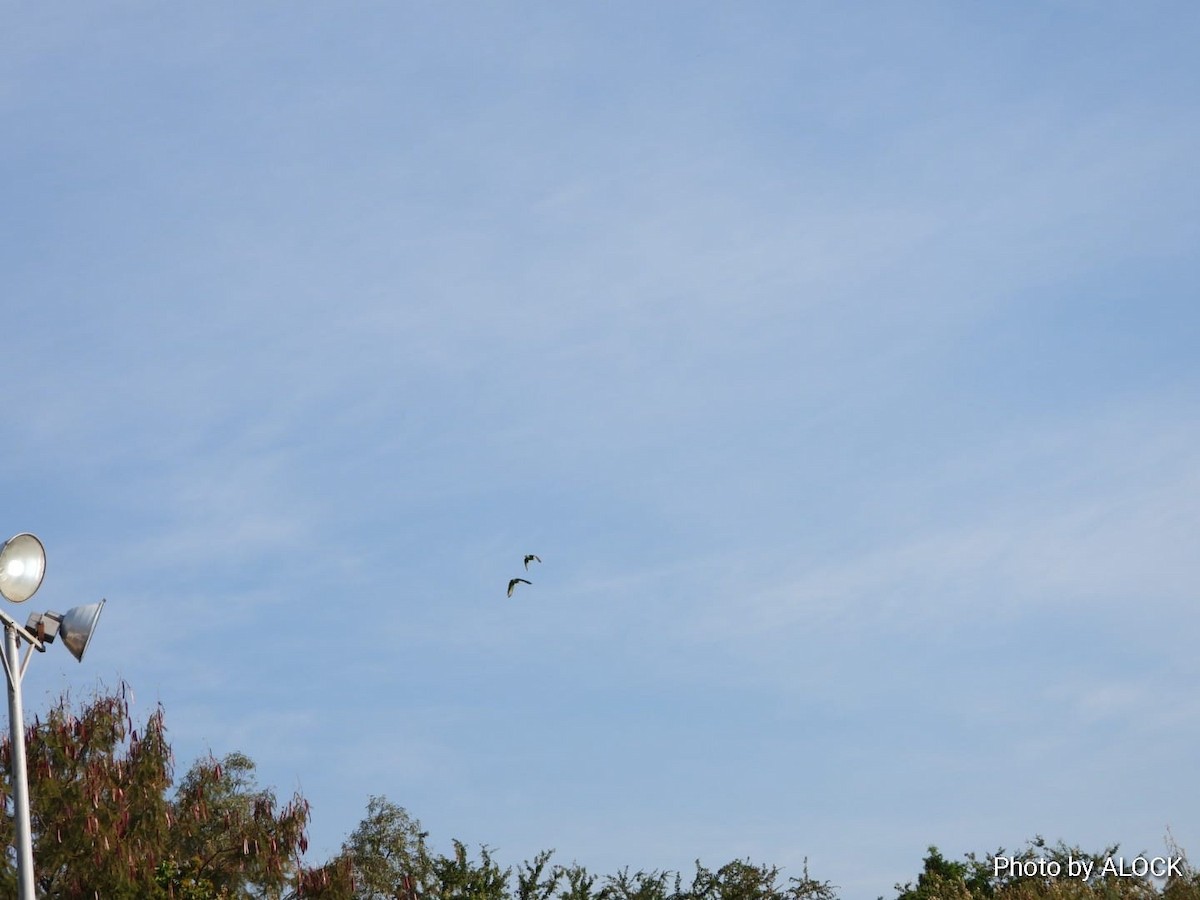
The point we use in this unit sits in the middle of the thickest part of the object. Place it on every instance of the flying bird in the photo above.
(528, 558)
(513, 583)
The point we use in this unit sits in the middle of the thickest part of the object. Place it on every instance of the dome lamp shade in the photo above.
(22, 567)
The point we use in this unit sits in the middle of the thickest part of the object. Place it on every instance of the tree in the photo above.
(1186, 885)
(1029, 874)
(229, 835)
(579, 883)
(387, 853)
(943, 879)
(104, 823)
(99, 813)
(458, 878)
(743, 880)
(639, 886)
(386, 858)
(534, 882)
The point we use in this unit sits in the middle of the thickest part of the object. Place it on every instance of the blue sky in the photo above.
(837, 359)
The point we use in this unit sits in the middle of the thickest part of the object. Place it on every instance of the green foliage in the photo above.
(385, 849)
(99, 813)
(943, 879)
(229, 835)
(459, 878)
(743, 880)
(386, 858)
(640, 886)
(534, 882)
(1186, 886)
(104, 823)
(975, 879)
(578, 883)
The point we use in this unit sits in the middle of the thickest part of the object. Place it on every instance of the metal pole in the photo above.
(20, 777)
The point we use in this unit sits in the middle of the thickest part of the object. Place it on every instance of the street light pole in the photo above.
(20, 775)
(22, 565)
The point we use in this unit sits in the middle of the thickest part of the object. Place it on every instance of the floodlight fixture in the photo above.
(22, 566)
(75, 626)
